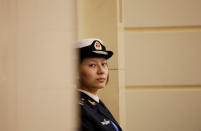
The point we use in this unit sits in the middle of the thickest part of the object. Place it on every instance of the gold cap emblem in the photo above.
(97, 45)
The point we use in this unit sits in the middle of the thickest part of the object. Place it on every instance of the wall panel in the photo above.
(156, 13)
(163, 110)
(163, 58)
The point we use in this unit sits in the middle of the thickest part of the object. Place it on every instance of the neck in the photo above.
(93, 91)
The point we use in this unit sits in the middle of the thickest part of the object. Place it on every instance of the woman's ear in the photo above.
(107, 79)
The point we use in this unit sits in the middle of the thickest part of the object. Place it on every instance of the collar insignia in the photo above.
(105, 122)
(81, 102)
(92, 102)
(97, 45)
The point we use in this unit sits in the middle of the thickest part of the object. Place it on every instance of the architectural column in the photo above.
(37, 91)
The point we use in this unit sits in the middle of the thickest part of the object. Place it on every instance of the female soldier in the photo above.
(93, 75)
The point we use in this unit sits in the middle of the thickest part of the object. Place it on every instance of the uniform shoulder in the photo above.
(87, 103)
(82, 102)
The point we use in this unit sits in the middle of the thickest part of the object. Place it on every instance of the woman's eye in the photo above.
(104, 64)
(92, 65)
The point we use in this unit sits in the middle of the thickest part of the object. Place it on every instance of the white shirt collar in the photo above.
(95, 97)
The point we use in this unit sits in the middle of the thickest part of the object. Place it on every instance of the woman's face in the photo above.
(93, 74)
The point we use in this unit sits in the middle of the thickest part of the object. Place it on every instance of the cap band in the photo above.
(100, 52)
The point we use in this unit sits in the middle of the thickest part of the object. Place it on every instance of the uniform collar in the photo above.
(94, 97)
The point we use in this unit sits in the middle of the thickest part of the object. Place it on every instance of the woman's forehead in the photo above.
(94, 59)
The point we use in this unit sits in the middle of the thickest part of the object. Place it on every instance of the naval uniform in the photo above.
(95, 116)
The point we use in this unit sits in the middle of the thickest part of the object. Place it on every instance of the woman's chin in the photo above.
(101, 86)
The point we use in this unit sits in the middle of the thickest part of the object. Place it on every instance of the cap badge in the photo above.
(97, 45)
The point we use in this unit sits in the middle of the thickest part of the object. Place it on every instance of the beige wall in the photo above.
(161, 50)
(163, 109)
(163, 60)
(37, 90)
(163, 57)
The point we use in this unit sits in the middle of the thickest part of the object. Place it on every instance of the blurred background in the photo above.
(155, 73)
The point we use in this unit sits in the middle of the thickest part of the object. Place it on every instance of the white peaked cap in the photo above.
(86, 42)
(92, 47)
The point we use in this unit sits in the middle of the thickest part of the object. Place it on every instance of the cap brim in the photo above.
(104, 54)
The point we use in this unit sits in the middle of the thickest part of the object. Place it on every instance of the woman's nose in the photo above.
(101, 70)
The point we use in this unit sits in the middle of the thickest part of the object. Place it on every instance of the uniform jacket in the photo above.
(95, 116)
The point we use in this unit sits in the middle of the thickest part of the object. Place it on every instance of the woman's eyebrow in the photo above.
(92, 61)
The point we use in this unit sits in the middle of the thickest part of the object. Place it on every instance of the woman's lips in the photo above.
(101, 80)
